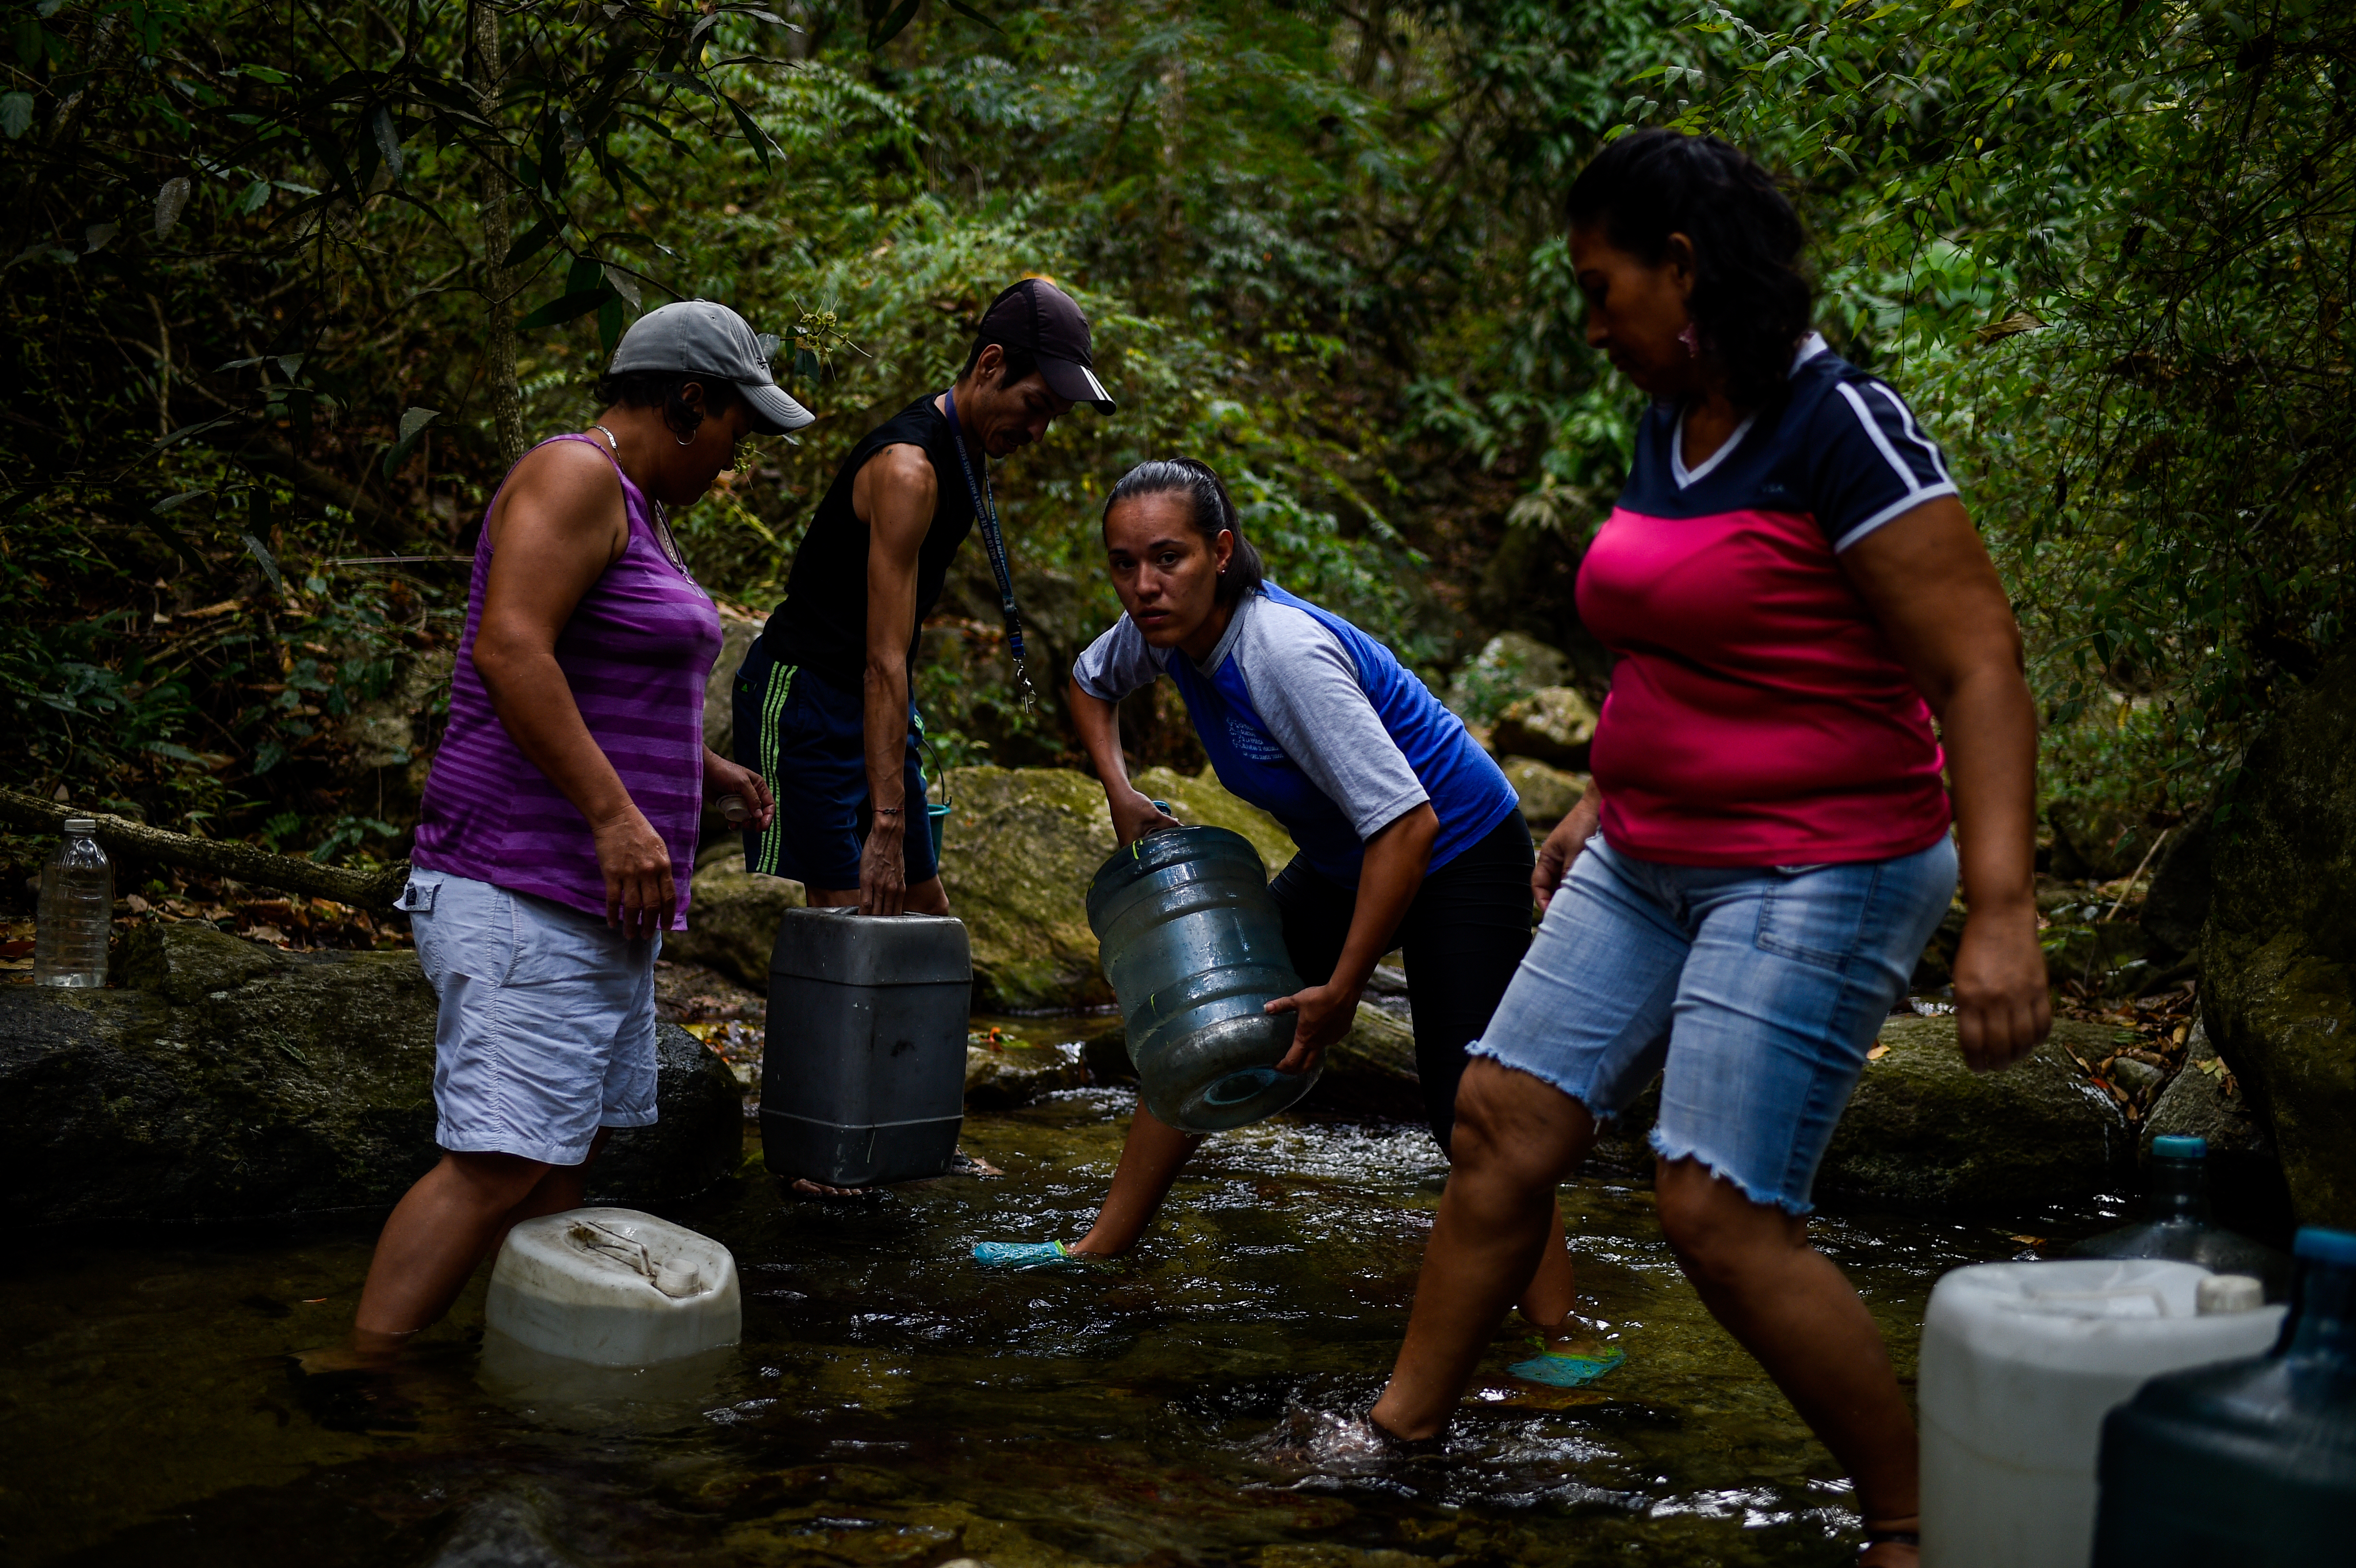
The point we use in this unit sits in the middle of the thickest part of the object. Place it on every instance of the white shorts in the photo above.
(546, 1027)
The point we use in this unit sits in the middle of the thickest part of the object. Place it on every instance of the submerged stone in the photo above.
(229, 1080)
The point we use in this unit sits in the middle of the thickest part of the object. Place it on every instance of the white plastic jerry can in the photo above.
(613, 1287)
(2020, 1364)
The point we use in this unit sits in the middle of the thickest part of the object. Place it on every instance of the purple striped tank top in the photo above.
(636, 653)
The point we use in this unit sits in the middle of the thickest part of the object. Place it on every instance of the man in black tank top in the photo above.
(822, 701)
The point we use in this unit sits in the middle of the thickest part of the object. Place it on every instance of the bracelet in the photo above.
(887, 810)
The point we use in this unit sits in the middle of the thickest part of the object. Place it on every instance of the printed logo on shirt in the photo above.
(1252, 744)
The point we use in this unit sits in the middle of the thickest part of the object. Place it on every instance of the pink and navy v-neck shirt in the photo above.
(1757, 716)
(635, 654)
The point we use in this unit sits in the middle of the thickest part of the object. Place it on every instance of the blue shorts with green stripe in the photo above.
(808, 737)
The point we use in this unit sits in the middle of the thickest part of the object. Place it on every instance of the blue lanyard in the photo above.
(985, 512)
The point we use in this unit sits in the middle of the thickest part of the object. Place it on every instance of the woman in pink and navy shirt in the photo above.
(1803, 611)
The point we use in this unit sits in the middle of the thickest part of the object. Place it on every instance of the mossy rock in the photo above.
(1511, 664)
(1201, 798)
(229, 1080)
(1923, 1130)
(1020, 847)
(2278, 958)
(2246, 1180)
(1555, 724)
(732, 921)
(1545, 792)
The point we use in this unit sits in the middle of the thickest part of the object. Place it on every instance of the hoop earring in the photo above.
(1691, 340)
(688, 440)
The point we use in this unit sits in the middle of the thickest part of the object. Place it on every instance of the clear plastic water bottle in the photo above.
(2176, 1223)
(76, 910)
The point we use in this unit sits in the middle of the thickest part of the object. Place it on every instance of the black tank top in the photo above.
(822, 624)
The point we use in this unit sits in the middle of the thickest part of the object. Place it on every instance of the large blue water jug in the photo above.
(2251, 1463)
(1195, 948)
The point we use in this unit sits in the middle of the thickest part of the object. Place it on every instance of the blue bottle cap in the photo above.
(2320, 1245)
(2170, 1145)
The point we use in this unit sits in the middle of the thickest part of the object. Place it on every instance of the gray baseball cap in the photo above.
(703, 338)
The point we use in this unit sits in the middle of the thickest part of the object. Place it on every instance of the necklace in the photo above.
(985, 512)
(663, 536)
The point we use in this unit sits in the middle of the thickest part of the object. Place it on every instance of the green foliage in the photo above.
(2108, 249)
(269, 262)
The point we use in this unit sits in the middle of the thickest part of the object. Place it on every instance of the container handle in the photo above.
(1163, 808)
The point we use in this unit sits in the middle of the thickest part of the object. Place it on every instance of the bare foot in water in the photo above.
(1576, 1335)
(809, 1189)
(365, 1352)
(342, 1358)
(960, 1164)
(1892, 1553)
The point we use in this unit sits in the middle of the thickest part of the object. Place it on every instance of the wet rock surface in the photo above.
(231, 1080)
(1004, 1068)
(2278, 958)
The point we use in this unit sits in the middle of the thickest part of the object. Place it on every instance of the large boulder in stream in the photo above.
(229, 1080)
(1924, 1131)
(1020, 848)
(731, 920)
(2279, 959)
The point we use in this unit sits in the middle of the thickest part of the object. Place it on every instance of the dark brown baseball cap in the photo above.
(1037, 316)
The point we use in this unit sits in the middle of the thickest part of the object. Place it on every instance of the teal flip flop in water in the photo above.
(1026, 1255)
(1565, 1369)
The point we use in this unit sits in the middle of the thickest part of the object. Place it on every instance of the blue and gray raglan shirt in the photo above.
(1317, 724)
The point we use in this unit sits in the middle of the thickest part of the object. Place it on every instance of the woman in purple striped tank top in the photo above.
(562, 812)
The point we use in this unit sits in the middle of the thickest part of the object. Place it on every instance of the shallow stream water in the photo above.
(892, 1404)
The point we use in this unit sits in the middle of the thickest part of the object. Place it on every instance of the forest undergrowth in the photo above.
(290, 283)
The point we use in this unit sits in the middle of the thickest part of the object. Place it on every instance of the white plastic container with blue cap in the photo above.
(2020, 1364)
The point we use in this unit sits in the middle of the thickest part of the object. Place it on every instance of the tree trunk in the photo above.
(499, 284)
(375, 887)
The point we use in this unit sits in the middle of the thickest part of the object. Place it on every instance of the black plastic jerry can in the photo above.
(2251, 1464)
(863, 1077)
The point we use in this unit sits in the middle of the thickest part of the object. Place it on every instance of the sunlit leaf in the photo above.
(414, 421)
(264, 559)
(169, 203)
(388, 139)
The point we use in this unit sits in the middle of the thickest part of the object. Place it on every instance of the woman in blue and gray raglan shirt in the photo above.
(1410, 835)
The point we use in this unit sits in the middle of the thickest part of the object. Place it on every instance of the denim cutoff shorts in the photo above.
(1755, 992)
(546, 1026)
